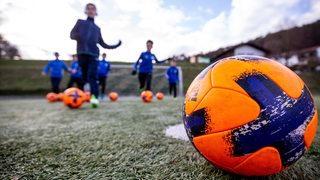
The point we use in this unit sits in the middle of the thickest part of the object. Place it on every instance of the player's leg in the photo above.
(102, 82)
(148, 81)
(58, 84)
(92, 79)
(174, 89)
(71, 81)
(55, 84)
(52, 84)
(142, 80)
(79, 82)
(103, 85)
(170, 88)
(83, 63)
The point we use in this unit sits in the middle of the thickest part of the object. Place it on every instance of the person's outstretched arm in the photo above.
(46, 69)
(74, 34)
(158, 62)
(106, 46)
(167, 73)
(65, 67)
(135, 66)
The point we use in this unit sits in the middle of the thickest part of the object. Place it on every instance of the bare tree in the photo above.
(7, 50)
(1, 44)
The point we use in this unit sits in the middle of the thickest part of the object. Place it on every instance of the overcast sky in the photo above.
(41, 27)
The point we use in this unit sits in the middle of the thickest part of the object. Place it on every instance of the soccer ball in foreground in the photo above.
(159, 96)
(73, 97)
(51, 97)
(146, 96)
(250, 115)
(113, 96)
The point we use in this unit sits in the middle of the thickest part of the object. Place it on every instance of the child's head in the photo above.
(56, 54)
(104, 56)
(74, 57)
(91, 10)
(149, 45)
(173, 63)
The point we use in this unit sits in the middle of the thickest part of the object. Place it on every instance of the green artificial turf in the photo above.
(119, 140)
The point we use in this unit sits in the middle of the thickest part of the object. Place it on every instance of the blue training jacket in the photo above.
(145, 62)
(103, 68)
(75, 66)
(56, 68)
(173, 74)
(88, 35)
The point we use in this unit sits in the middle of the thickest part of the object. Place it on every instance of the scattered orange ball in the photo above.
(73, 97)
(69, 89)
(113, 96)
(87, 96)
(59, 96)
(146, 96)
(51, 97)
(159, 95)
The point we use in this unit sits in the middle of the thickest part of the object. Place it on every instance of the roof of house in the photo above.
(222, 51)
(296, 52)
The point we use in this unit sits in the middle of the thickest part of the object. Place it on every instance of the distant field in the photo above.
(120, 140)
(23, 77)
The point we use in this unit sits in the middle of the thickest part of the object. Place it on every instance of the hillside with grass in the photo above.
(281, 42)
(24, 78)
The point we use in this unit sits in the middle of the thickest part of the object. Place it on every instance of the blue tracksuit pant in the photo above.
(89, 67)
(55, 82)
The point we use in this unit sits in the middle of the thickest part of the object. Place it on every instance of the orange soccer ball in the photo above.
(87, 96)
(51, 97)
(113, 96)
(73, 97)
(59, 96)
(146, 96)
(159, 95)
(250, 115)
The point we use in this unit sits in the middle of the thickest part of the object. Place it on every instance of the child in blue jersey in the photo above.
(76, 75)
(103, 70)
(88, 35)
(56, 68)
(173, 78)
(144, 66)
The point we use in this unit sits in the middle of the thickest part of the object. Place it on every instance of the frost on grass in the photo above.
(177, 131)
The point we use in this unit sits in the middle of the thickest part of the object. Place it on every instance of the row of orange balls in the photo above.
(74, 97)
(147, 96)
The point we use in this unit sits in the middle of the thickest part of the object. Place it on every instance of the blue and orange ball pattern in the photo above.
(250, 115)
